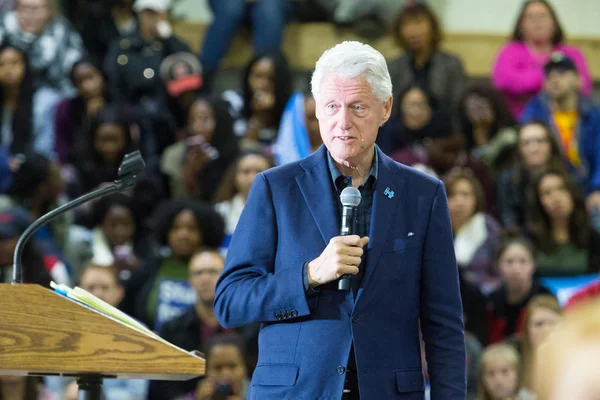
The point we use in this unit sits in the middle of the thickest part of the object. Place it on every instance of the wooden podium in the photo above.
(45, 334)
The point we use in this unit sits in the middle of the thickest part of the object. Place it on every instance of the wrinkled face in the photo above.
(201, 120)
(247, 169)
(462, 202)
(559, 84)
(33, 15)
(517, 266)
(416, 111)
(12, 68)
(500, 380)
(349, 116)
(537, 24)
(118, 226)
(417, 32)
(534, 146)
(541, 324)
(101, 283)
(88, 80)
(109, 142)
(226, 364)
(555, 197)
(185, 236)
(204, 270)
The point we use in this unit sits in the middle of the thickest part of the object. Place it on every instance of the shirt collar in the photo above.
(341, 181)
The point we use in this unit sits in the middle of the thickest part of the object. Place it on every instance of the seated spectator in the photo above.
(565, 242)
(37, 267)
(516, 264)
(488, 127)
(74, 114)
(413, 120)
(110, 139)
(234, 188)
(440, 153)
(499, 374)
(475, 233)
(418, 32)
(22, 388)
(49, 40)
(116, 238)
(536, 151)
(103, 282)
(37, 186)
(267, 17)
(103, 23)
(195, 165)
(159, 290)
(25, 112)
(518, 72)
(542, 315)
(266, 88)
(299, 133)
(226, 370)
(132, 63)
(194, 329)
(575, 122)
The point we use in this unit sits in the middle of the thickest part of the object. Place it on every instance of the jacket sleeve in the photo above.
(514, 75)
(441, 307)
(252, 288)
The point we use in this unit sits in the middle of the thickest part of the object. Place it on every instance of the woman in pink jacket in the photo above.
(518, 72)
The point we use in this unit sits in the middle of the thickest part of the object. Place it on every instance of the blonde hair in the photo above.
(581, 325)
(492, 354)
(542, 301)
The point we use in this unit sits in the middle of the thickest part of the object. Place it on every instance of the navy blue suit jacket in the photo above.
(411, 277)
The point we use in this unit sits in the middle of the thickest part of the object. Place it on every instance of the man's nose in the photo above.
(345, 119)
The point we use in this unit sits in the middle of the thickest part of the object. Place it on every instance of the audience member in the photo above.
(565, 242)
(226, 371)
(25, 112)
(195, 165)
(475, 233)
(475, 310)
(516, 264)
(51, 43)
(74, 114)
(474, 350)
(105, 22)
(536, 151)
(575, 122)
(499, 375)
(542, 315)
(103, 282)
(299, 133)
(268, 19)
(110, 138)
(198, 324)
(233, 191)
(414, 119)
(22, 388)
(488, 127)
(418, 32)
(518, 72)
(132, 63)
(159, 291)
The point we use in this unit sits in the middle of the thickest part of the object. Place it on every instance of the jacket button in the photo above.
(341, 370)
(294, 313)
(355, 319)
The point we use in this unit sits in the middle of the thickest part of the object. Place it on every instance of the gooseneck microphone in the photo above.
(130, 167)
(350, 199)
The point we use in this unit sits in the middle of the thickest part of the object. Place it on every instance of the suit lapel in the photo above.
(315, 185)
(386, 200)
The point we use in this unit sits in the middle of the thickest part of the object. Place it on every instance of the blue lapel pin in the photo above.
(389, 192)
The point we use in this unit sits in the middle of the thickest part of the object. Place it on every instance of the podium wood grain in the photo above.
(42, 332)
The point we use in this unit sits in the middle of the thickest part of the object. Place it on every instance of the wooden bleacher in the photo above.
(304, 42)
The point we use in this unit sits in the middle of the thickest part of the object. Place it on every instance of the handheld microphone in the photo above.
(350, 199)
(130, 168)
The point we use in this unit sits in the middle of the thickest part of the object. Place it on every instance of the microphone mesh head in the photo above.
(350, 197)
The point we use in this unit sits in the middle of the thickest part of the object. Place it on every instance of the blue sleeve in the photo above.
(252, 288)
(441, 306)
(44, 113)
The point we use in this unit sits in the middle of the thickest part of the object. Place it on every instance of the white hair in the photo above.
(352, 59)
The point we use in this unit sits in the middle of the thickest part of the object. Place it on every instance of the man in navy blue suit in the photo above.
(286, 255)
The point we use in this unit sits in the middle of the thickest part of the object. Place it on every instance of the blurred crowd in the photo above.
(82, 84)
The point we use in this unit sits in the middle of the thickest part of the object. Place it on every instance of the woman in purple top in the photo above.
(518, 72)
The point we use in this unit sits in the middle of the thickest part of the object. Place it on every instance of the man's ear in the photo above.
(387, 110)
